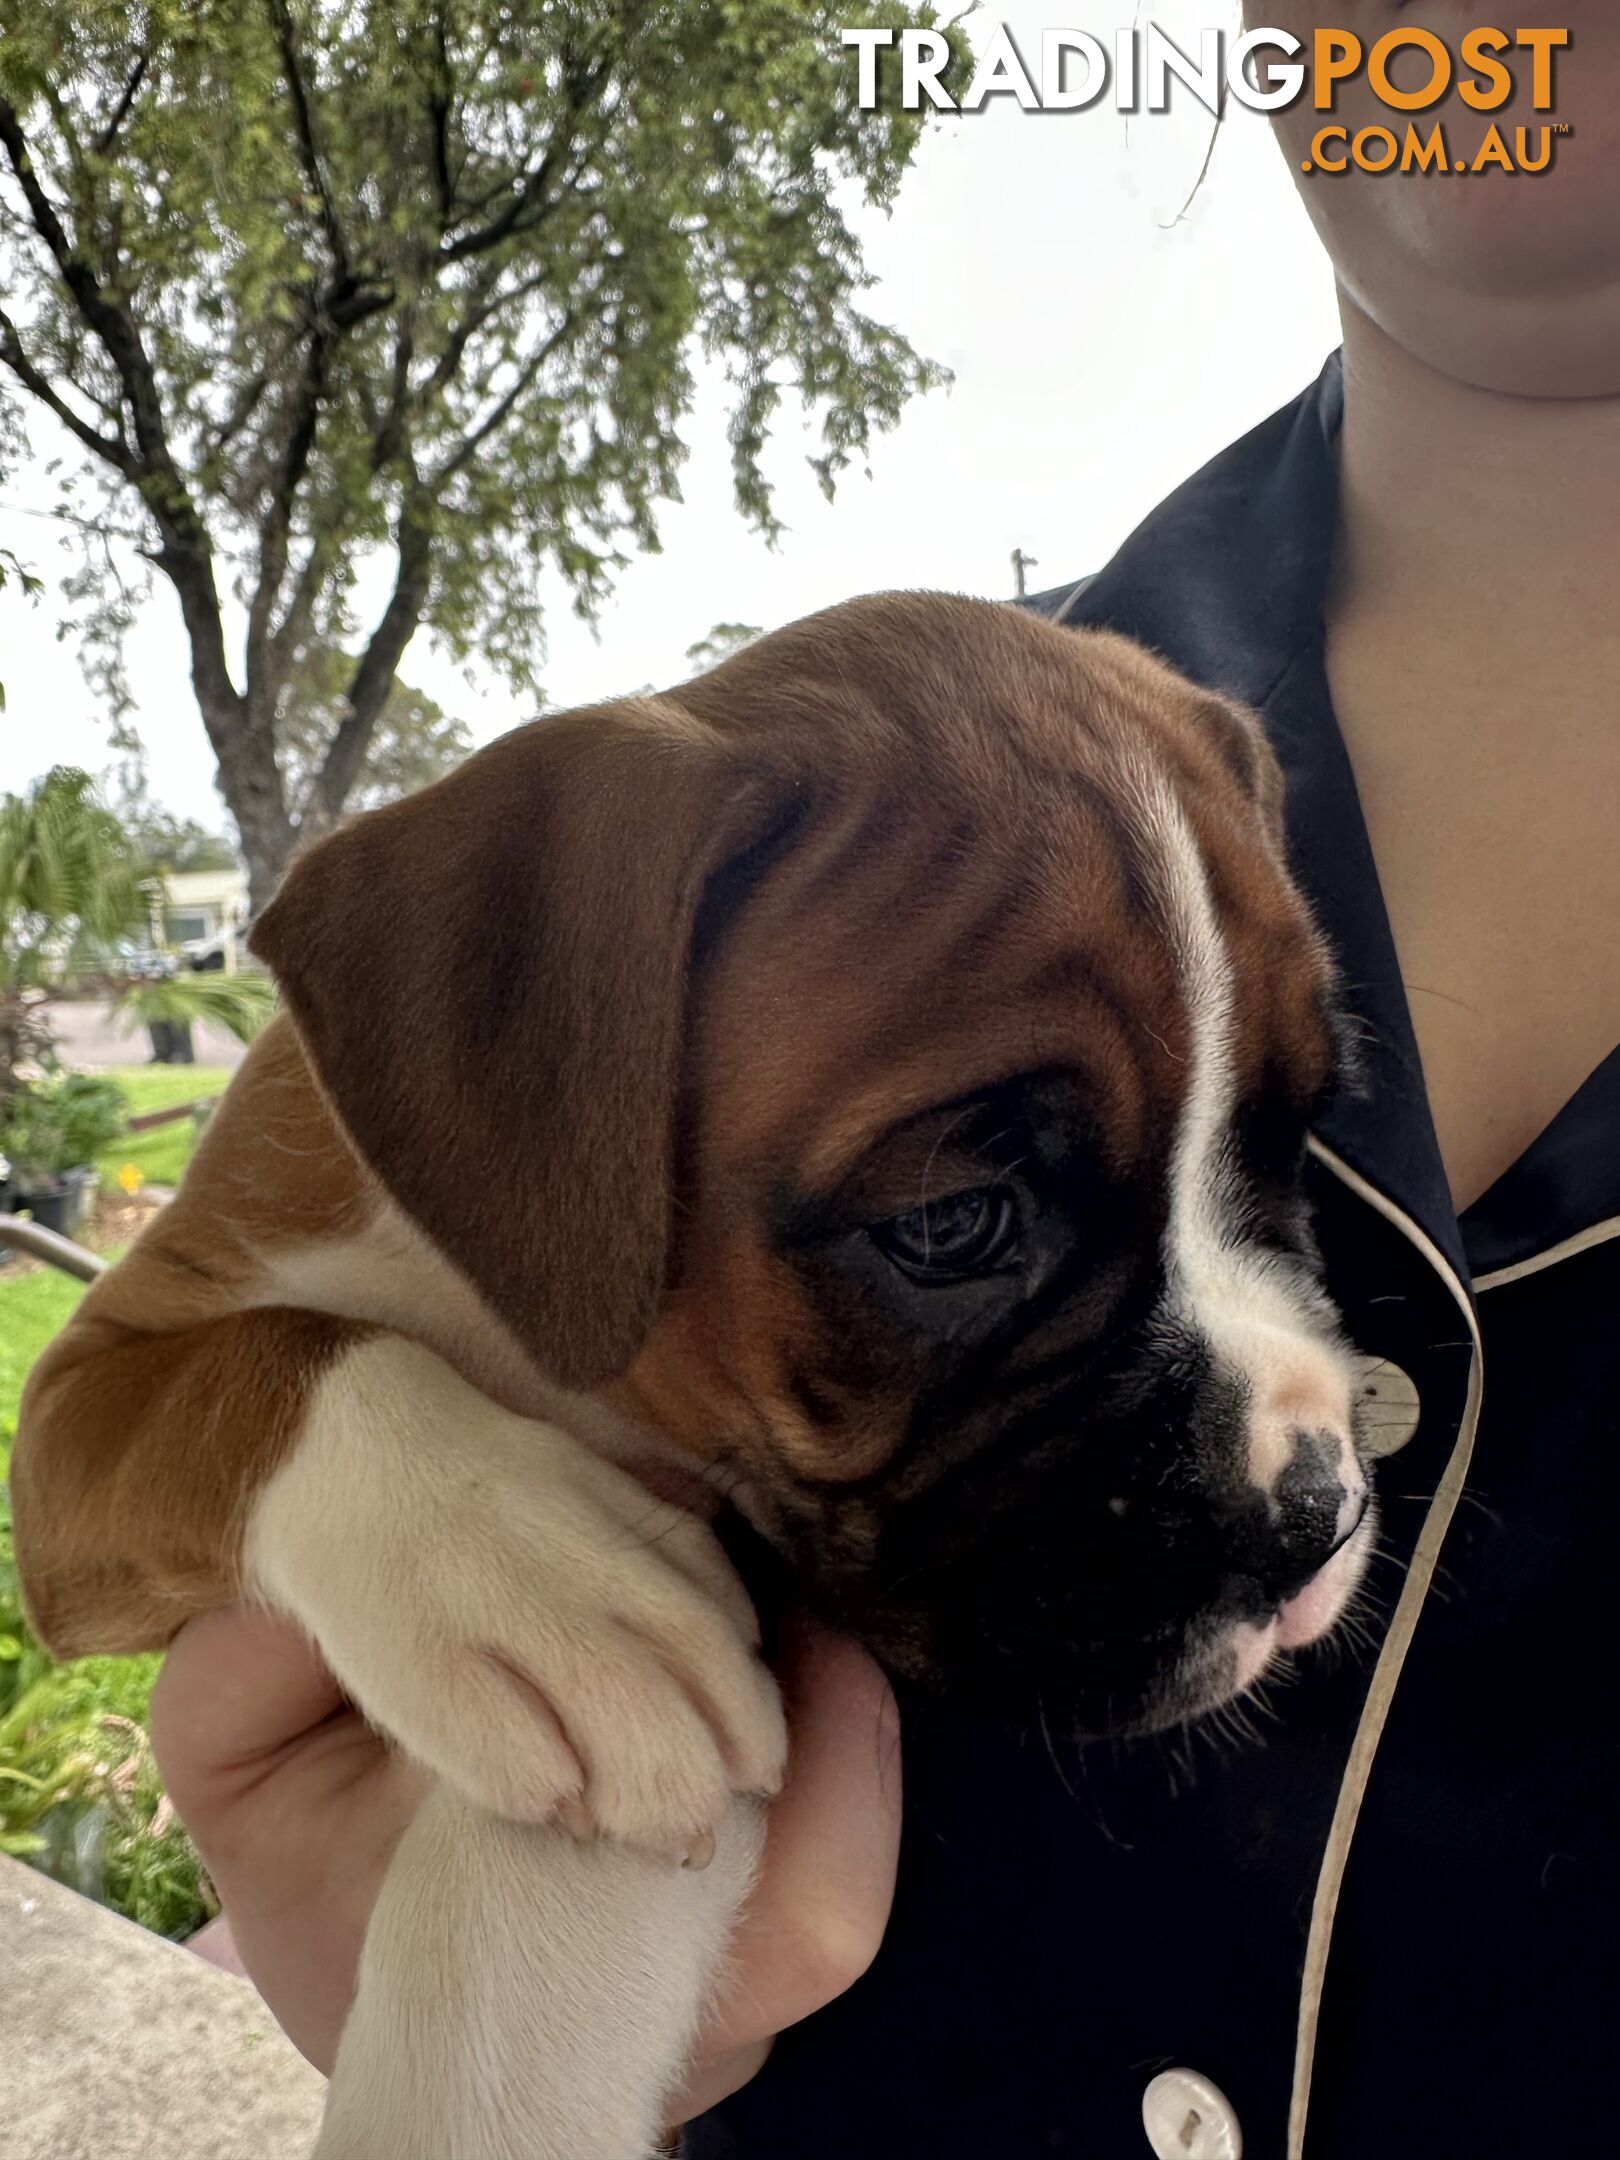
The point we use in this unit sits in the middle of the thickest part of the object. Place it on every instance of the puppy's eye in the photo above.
(965, 1234)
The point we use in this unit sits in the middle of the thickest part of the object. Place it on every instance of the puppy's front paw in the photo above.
(515, 1612)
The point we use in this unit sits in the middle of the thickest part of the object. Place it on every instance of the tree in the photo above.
(28, 583)
(721, 642)
(314, 287)
(162, 840)
(167, 842)
(413, 743)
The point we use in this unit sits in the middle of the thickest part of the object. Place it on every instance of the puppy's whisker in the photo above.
(960, 1119)
(1046, 1735)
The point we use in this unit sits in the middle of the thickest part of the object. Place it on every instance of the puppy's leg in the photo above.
(518, 1614)
(525, 1995)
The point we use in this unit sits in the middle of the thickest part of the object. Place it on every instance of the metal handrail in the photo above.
(51, 1247)
(149, 1120)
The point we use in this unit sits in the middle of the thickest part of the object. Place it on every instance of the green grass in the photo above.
(160, 1087)
(32, 1308)
(79, 1792)
(159, 1155)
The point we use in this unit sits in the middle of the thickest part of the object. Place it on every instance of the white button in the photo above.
(1389, 1405)
(1188, 2118)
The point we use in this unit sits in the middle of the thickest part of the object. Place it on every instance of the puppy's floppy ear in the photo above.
(490, 979)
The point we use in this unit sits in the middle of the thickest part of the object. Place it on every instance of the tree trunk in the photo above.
(250, 781)
(266, 854)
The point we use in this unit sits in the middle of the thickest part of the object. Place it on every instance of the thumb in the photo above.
(819, 1910)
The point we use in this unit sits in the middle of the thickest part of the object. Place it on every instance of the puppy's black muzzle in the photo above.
(1091, 1562)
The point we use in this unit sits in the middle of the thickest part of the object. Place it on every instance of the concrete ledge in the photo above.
(116, 2045)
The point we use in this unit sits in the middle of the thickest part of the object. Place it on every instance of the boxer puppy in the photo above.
(869, 1084)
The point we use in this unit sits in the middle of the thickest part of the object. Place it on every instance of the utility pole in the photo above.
(1022, 562)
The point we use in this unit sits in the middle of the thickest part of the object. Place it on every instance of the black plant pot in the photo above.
(58, 1210)
(61, 1208)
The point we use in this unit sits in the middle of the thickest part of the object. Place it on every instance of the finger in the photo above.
(816, 1918)
(295, 1805)
(254, 1739)
(236, 1687)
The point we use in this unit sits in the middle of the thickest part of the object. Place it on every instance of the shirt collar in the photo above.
(1226, 579)
(1562, 1190)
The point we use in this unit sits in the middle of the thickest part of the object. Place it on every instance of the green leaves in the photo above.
(415, 741)
(239, 1004)
(79, 1792)
(60, 1124)
(70, 885)
(80, 1795)
(318, 285)
(11, 570)
(722, 639)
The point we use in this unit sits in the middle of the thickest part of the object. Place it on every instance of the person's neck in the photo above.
(1473, 656)
(1480, 516)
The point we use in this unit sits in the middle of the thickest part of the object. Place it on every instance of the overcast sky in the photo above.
(1101, 352)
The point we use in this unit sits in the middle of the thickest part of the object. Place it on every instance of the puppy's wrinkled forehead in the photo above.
(1021, 849)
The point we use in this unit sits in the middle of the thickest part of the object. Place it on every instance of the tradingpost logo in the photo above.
(1266, 70)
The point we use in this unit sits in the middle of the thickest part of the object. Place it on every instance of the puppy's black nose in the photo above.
(1312, 1519)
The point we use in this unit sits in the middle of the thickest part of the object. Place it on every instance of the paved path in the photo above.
(116, 2045)
(87, 1036)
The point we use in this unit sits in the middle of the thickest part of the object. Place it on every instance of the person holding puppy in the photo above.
(1382, 1931)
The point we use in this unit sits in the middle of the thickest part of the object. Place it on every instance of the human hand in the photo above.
(297, 1807)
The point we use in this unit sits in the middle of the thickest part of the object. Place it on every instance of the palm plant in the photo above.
(70, 888)
(239, 1004)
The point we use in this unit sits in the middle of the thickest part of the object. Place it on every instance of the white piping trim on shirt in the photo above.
(1583, 1241)
(1387, 1672)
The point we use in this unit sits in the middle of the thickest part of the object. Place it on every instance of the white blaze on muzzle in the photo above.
(1265, 1323)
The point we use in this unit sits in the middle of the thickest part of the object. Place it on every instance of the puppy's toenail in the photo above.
(699, 1853)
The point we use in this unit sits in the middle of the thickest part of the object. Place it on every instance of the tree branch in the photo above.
(290, 632)
(93, 527)
(241, 412)
(46, 222)
(187, 553)
(440, 101)
(304, 122)
(532, 194)
(64, 127)
(472, 442)
(109, 320)
(108, 447)
(403, 401)
(482, 312)
(353, 301)
(304, 421)
(109, 134)
(373, 677)
(389, 432)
